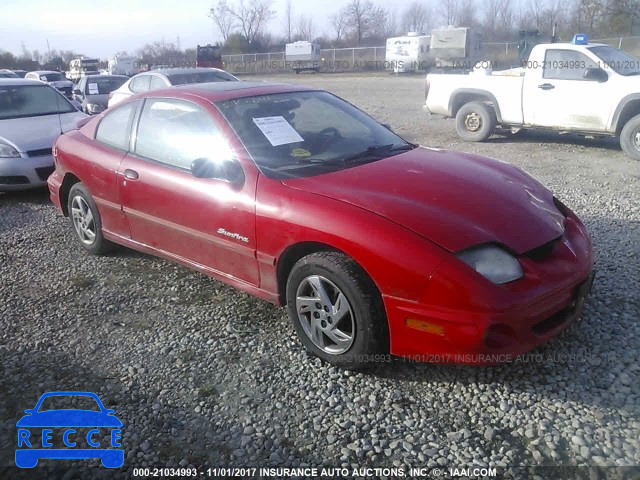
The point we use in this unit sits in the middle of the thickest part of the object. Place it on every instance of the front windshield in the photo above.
(619, 61)
(52, 77)
(67, 402)
(18, 101)
(104, 85)
(301, 134)
(199, 77)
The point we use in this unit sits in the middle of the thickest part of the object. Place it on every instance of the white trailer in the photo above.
(455, 47)
(408, 53)
(302, 55)
(123, 65)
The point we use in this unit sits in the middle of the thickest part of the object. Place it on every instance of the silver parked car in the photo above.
(93, 92)
(32, 116)
(4, 73)
(56, 79)
(168, 77)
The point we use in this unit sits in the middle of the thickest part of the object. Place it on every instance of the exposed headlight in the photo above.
(493, 263)
(7, 151)
(94, 108)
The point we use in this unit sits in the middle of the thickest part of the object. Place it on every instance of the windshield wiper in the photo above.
(375, 151)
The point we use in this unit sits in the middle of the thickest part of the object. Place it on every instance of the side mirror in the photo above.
(228, 170)
(597, 74)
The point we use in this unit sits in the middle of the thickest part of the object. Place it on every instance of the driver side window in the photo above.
(177, 132)
(566, 65)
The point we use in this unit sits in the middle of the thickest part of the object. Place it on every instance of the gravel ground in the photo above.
(203, 375)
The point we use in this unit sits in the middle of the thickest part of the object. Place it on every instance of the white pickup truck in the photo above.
(578, 87)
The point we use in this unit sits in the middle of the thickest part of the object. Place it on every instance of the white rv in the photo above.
(409, 53)
(302, 55)
(123, 65)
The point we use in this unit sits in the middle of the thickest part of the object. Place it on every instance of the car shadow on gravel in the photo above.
(35, 196)
(28, 372)
(595, 360)
(548, 137)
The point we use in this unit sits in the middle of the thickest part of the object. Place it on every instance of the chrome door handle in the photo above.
(130, 174)
(546, 86)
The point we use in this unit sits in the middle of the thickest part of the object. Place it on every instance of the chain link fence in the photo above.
(504, 54)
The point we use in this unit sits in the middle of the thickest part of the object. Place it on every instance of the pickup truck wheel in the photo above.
(630, 138)
(475, 122)
(337, 310)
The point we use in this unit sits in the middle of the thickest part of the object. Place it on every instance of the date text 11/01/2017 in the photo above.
(283, 472)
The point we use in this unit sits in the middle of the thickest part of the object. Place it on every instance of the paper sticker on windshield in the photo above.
(277, 130)
(93, 89)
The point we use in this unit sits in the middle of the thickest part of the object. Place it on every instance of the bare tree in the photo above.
(251, 17)
(365, 19)
(305, 29)
(498, 19)
(466, 13)
(223, 19)
(339, 22)
(288, 16)
(450, 11)
(417, 18)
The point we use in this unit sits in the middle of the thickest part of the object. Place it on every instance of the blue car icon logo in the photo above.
(69, 433)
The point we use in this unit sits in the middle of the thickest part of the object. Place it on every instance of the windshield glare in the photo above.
(31, 101)
(619, 61)
(199, 77)
(301, 134)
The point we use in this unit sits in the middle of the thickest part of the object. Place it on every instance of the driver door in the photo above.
(170, 210)
(563, 98)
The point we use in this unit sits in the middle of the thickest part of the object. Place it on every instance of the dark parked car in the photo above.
(93, 92)
(376, 245)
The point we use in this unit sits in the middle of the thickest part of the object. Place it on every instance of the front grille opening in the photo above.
(44, 172)
(554, 321)
(14, 180)
(543, 251)
(40, 152)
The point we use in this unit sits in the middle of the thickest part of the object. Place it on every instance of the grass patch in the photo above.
(82, 281)
(207, 390)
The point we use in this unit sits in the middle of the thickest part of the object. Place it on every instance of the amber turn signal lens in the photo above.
(424, 326)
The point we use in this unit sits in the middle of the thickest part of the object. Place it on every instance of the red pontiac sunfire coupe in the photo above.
(375, 245)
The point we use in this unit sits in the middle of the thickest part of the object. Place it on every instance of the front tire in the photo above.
(337, 311)
(630, 138)
(86, 221)
(475, 122)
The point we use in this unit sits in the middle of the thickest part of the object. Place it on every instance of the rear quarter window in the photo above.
(115, 128)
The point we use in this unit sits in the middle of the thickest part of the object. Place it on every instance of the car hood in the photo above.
(34, 133)
(454, 199)
(69, 418)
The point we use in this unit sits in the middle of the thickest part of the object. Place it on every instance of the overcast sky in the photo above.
(101, 28)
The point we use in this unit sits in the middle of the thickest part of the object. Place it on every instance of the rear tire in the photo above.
(337, 310)
(86, 221)
(630, 138)
(475, 122)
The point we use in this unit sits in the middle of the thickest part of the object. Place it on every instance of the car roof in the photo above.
(20, 81)
(105, 75)
(220, 91)
(171, 71)
(40, 72)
